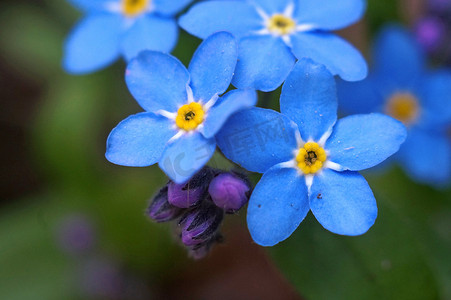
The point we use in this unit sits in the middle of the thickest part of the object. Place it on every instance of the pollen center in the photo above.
(134, 7)
(310, 158)
(190, 116)
(403, 107)
(281, 24)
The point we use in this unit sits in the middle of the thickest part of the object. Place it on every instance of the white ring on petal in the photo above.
(333, 166)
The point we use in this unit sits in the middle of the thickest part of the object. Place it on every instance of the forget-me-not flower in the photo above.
(184, 109)
(401, 86)
(274, 33)
(310, 161)
(115, 28)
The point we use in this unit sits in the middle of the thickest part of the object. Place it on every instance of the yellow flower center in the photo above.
(189, 116)
(310, 158)
(281, 24)
(403, 107)
(134, 7)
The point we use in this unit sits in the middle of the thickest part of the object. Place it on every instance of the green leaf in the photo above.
(385, 263)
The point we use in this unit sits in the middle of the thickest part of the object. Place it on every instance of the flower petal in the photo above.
(208, 17)
(309, 98)
(398, 56)
(139, 140)
(258, 139)
(212, 66)
(264, 63)
(226, 106)
(271, 7)
(157, 81)
(186, 155)
(340, 57)
(150, 33)
(436, 99)
(362, 97)
(426, 156)
(93, 43)
(329, 14)
(360, 142)
(343, 202)
(90, 5)
(170, 7)
(277, 206)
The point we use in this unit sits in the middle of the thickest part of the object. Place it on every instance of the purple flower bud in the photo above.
(201, 250)
(229, 191)
(430, 33)
(76, 234)
(191, 193)
(160, 210)
(199, 225)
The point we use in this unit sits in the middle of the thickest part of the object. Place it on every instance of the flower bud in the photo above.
(201, 250)
(160, 210)
(191, 193)
(77, 234)
(199, 225)
(229, 191)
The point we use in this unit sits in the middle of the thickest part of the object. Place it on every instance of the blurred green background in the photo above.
(53, 131)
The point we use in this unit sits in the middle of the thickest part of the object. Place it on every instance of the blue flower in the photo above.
(309, 160)
(401, 86)
(183, 108)
(114, 28)
(274, 33)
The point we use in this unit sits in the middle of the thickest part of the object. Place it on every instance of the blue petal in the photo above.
(206, 18)
(362, 97)
(271, 7)
(91, 5)
(226, 106)
(150, 32)
(258, 139)
(340, 57)
(170, 7)
(139, 140)
(426, 156)
(436, 99)
(397, 56)
(157, 81)
(329, 14)
(186, 155)
(343, 202)
(264, 63)
(212, 66)
(360, 142)
(277, 206)
(93, 44)
(309, 98)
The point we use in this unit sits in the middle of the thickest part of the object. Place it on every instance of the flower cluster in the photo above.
(199, 206)
(401, 86)
(310, 160)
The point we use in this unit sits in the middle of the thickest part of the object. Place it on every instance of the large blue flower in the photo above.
(309, 161)
(184, 110)
(274, 33)
(114, 28)
(401, 86)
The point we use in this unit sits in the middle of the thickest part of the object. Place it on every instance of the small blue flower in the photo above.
(309, 160)
(114, 28)
(274, 33)
(401, 86)
(183, 108)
